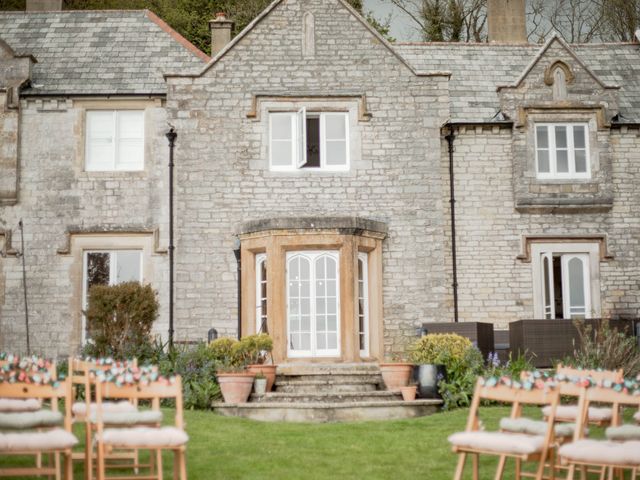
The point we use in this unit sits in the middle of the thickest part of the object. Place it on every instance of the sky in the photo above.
(402, 28)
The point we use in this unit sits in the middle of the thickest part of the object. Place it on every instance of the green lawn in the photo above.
(230, 448)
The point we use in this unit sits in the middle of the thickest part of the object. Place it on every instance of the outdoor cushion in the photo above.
(20, 404)
(535, 427)
(129, 418)
(623, 433)
(24, 420)
(56, 439)
(514, 443)
(145, 437)
(636, 417)
(602, 451)
(80, 408)
(570, 412)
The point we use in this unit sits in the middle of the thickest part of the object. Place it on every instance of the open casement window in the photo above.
(109, 268)
(562, 151)
(363, 304)
(565, 285)
(114, 140)
(308, 140)
(261, 294)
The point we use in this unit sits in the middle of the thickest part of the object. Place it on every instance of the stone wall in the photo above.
(223, 173)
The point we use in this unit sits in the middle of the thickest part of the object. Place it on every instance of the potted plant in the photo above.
(396, 374)
(259, 349)
(431, 353)
(260, 384)
(409, 392)
(234, 379)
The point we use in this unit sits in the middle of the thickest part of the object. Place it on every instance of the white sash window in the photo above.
(562, 151)
(114, 140)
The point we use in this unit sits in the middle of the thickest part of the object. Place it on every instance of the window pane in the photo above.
(128, 267)
(336, 152)
(130, 124)
(313, 142)
(100, 124)
(335, 125)
(562, 161)
(281, 153)
(99, 155)
(578, 136)
(547, 287)
(130, 154)
(561, 137)
(542, 135)
(543, 161)
(581, 161)
(576, 283)
(281, 126)
(100, 141)
(98, 267)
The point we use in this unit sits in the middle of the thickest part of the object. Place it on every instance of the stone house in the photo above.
(313, 183)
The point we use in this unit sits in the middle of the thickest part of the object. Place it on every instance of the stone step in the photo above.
(325, 385)
(341, 377)
(297, 369)
(326, 397)
(328, 412)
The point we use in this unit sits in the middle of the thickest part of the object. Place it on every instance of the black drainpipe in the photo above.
(236, 252)
(450, 137)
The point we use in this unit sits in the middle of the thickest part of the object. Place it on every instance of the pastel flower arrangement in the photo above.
(130, 375)
(31, 370)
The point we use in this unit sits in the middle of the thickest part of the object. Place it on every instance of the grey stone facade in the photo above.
(400, 101)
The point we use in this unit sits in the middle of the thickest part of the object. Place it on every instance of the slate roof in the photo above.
(478, 69)
(98, 52)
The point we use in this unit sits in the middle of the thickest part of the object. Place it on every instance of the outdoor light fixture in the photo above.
(171, 136)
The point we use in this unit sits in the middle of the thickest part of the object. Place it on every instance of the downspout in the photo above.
(450, 137)
(236, 252)
(171, 136)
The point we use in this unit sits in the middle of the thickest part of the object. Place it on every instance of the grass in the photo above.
(232, 448)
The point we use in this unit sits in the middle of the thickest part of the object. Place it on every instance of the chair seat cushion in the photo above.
(79, 409)
(25, 420)
(145, 437)
(602, 451)
(623, 433)
(535, 427)
(499, 442)
(129, 418)
(570, 413)
(20, 404)
(56, 439)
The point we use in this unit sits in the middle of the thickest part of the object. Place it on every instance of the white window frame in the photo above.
(117, 164)
(260, 258)
(590, 252)
(299, 149)
(553, 173)
(364, 258)
(113, 269)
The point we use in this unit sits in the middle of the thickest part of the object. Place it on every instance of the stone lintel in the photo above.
(344, 225)
(76, 231)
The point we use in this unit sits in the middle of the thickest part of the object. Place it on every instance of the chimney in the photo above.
(220, 32)
(44, 5)
(507, 21)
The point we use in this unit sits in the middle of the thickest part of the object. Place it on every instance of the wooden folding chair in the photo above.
(156, 439)
(521, 447)
(15, 405)
(52, 442)
(607, 455)
(84, 411)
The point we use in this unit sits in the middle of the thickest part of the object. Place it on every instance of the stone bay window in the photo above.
(315, 286)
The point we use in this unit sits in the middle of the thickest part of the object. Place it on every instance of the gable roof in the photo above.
(265, 13)
(107, 52)
(478, 69)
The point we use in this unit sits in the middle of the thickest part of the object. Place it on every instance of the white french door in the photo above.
(566, 289)
(313, 304)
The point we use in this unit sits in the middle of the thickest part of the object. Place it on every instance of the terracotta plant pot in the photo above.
(396, 375)
(409, 393)
(269, 371)
(236, 387)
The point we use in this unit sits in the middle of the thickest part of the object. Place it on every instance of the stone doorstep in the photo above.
(336, 378)
(326, 397)
(299, 369)
(313, 386)
(318, 412)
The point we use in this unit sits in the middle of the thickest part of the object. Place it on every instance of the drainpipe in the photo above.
(24, 286)
(450, 137)
(236, 252)
(171, 136)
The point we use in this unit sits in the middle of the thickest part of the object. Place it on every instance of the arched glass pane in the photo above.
(576, 285)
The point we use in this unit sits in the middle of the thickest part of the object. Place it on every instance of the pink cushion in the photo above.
(601, 451)
(570, 412)
(514, 443)
(56, 439)
(79, 409)
(145, 436)
(20, 404)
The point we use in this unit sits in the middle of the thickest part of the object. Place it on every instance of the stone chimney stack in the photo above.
(507, 21)
(44, 5)
(221, 29)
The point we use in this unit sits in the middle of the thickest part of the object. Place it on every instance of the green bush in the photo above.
(119, 320)
(439, 348)
(257, 348)
(462, 369)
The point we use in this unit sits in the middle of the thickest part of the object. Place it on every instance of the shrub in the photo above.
(257, 348)
(119, 319)
(463, 368)
(606, 348)
(439, 348)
